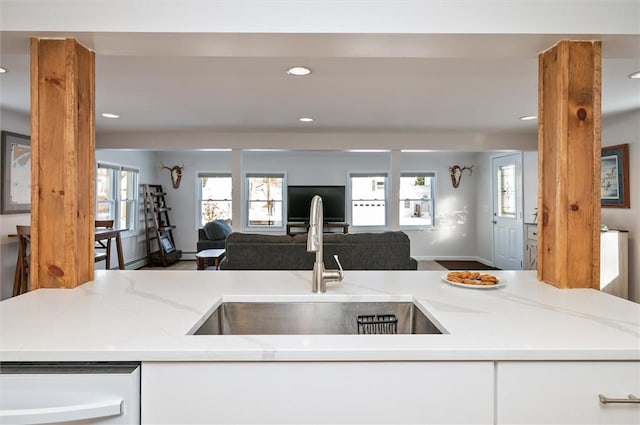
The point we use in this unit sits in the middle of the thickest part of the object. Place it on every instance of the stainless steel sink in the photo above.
(320, 318)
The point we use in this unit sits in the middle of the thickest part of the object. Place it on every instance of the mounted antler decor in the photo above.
(176, 174)
(456, 174)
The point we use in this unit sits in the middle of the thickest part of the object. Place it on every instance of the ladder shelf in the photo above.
(160, 244)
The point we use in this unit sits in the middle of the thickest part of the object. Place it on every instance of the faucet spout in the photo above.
(320, 276)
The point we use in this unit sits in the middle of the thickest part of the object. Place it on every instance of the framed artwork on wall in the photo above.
(614, 177)
(16, 173)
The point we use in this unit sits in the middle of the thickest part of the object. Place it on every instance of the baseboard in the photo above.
(135, 264)
(485, 261)
(453, 258)
(188, 256)
(449, 257)
(142, 261)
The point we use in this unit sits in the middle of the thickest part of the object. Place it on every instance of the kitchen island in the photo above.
(523, 353)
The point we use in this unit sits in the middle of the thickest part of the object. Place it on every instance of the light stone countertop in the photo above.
(148, 315)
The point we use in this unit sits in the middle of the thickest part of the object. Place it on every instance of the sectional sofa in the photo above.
(356, 251)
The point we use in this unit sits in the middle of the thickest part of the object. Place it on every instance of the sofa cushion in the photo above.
(217, 230)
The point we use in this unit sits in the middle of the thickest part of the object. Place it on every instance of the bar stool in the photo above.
(21, 279)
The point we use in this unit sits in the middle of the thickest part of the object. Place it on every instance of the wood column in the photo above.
(569, 165)
(63, 163)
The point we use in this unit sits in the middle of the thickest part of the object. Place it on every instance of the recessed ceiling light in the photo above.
(299, 71)
(635, 75)
(108, 115)
(305, 119)
(3, 70)
(528, 118)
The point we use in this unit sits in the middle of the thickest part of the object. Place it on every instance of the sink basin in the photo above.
(316, 318)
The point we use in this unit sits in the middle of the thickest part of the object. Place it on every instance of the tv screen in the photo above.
(299, 202)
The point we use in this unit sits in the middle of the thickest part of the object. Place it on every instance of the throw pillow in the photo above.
(217, 230)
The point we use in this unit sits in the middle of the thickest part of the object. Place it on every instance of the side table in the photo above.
(209, 257)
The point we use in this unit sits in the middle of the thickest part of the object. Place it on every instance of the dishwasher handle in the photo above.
(74, 412)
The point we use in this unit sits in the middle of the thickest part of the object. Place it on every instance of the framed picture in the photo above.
(614, 180)
(16, 173)
(167, 246)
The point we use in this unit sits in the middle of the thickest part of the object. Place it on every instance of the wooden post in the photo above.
(569, 165)
(63, 163)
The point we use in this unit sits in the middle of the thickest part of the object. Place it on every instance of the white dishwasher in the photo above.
(85, 393)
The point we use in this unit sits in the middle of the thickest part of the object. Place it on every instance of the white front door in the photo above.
(507, 212)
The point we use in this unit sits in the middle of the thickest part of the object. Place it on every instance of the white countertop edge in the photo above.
(342, 355)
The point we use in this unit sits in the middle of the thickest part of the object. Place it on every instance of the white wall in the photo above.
(484, 198)
(616, 130)
(183, 200)
(455, 211)
(454, 235)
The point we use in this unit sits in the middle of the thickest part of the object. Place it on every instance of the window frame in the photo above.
(350, 199)
(416, 174)
(199, 200)
(247, 201)
(118, 200)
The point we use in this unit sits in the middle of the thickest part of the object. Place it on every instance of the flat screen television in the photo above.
(299, 202)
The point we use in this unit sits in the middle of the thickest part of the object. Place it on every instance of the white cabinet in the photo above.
(530, 247)
(318, 392)
(566, 392)
(78, 393)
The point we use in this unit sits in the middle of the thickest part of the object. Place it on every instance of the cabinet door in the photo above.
(318, 392)
(566, 392)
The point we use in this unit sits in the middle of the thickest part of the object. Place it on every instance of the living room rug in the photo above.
(464, 265)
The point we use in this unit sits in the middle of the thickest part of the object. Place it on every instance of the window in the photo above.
(264, 200)
(368, 199)
(117, 195)
(214, 197)
(417, 199)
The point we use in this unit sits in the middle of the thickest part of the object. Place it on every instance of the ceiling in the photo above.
(360, 82)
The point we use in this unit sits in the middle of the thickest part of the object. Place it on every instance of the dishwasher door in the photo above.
(89, 393)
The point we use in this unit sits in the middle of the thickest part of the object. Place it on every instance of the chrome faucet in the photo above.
(314, 244)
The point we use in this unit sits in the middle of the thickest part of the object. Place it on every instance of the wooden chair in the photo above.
(21, 279)
(102, 251)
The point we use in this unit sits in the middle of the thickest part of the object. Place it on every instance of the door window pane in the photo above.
(507, 191)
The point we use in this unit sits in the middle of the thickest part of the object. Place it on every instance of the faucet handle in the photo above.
(340, 270)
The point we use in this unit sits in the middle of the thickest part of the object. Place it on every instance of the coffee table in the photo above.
(209, 257)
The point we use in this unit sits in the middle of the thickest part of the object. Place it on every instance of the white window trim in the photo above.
(434, 194)
(119, 167)
(198, 192)
(245, 201)
(349, 200)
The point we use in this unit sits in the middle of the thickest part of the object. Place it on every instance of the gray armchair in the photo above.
(213, 235)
